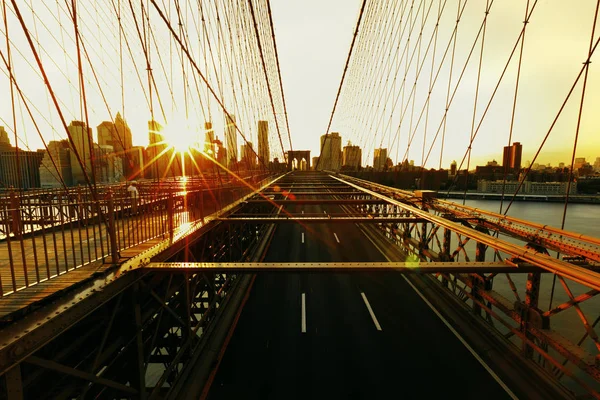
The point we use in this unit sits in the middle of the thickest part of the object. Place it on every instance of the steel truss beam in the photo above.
(316, 201)
(546, 262)
(565, 242)
(405, 267)
(320, 220)
(313, 193)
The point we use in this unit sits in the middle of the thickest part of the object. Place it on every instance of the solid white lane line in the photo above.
(302, 237)
(373, 317)
(303, 313)
(336, 237)
(464, 342)
(458, 336)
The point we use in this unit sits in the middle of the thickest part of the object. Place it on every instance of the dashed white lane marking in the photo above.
(303, 313)
(324, 212)
(336, 237)
(302, 237)
(302, 211)
(373, 317)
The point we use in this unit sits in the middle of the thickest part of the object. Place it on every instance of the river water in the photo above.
(582, 218)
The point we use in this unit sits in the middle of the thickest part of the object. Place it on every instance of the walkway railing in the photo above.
(46, 233)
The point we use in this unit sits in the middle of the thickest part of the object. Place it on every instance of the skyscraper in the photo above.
(511, 158)
(81, 135)
(55, 167)
(4, 140)
(264, 155)
(221, 155)
(248, 156)
(209, 139)
(351, 157)
(231, 139)
(157, 152)
(117, 135)
(380, 159)
(331, 152)
(315, 160)
(20, 168)
(138, 159)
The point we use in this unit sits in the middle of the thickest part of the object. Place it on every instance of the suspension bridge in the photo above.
(195, 267)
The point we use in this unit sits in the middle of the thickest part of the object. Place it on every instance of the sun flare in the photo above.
(181, 135)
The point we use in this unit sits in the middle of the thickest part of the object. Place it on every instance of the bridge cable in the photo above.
(492, 96)
(550, 129)
(12, 95)
(512, 117)
(55, 101)
(362, 8)
(469, 148)
(571, 176)
(287, 123)
(195, 65)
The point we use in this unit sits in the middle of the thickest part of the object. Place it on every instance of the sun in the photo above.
(180, 135)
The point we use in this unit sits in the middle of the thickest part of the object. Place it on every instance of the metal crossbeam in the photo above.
(320, 220)
(318, 201)
(313, 193)
(409, 267)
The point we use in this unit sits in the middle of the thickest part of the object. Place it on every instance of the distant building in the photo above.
(209, 139)
(81, 153)
(55, 167)
(231, 139)
(117, 135)
(138, 161)
(109, 166)
(157, 152)
(331, 152)
(493, 172)
(4, 140)
(453, 168)
(351, 157)
(221, 155)
(534, 188)
(264, 155)
(380, 157)
(597, 164)
(579, 163)
(20, 168)
(511, 159)
(248, 156)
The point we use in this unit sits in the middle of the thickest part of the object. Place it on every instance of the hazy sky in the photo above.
(313, 39)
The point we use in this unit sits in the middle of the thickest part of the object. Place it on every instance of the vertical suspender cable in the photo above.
(362, 9)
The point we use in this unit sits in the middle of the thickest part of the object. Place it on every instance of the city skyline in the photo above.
(308, 112)
(157, 132)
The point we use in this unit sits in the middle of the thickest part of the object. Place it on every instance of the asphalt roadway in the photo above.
(367, 335)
